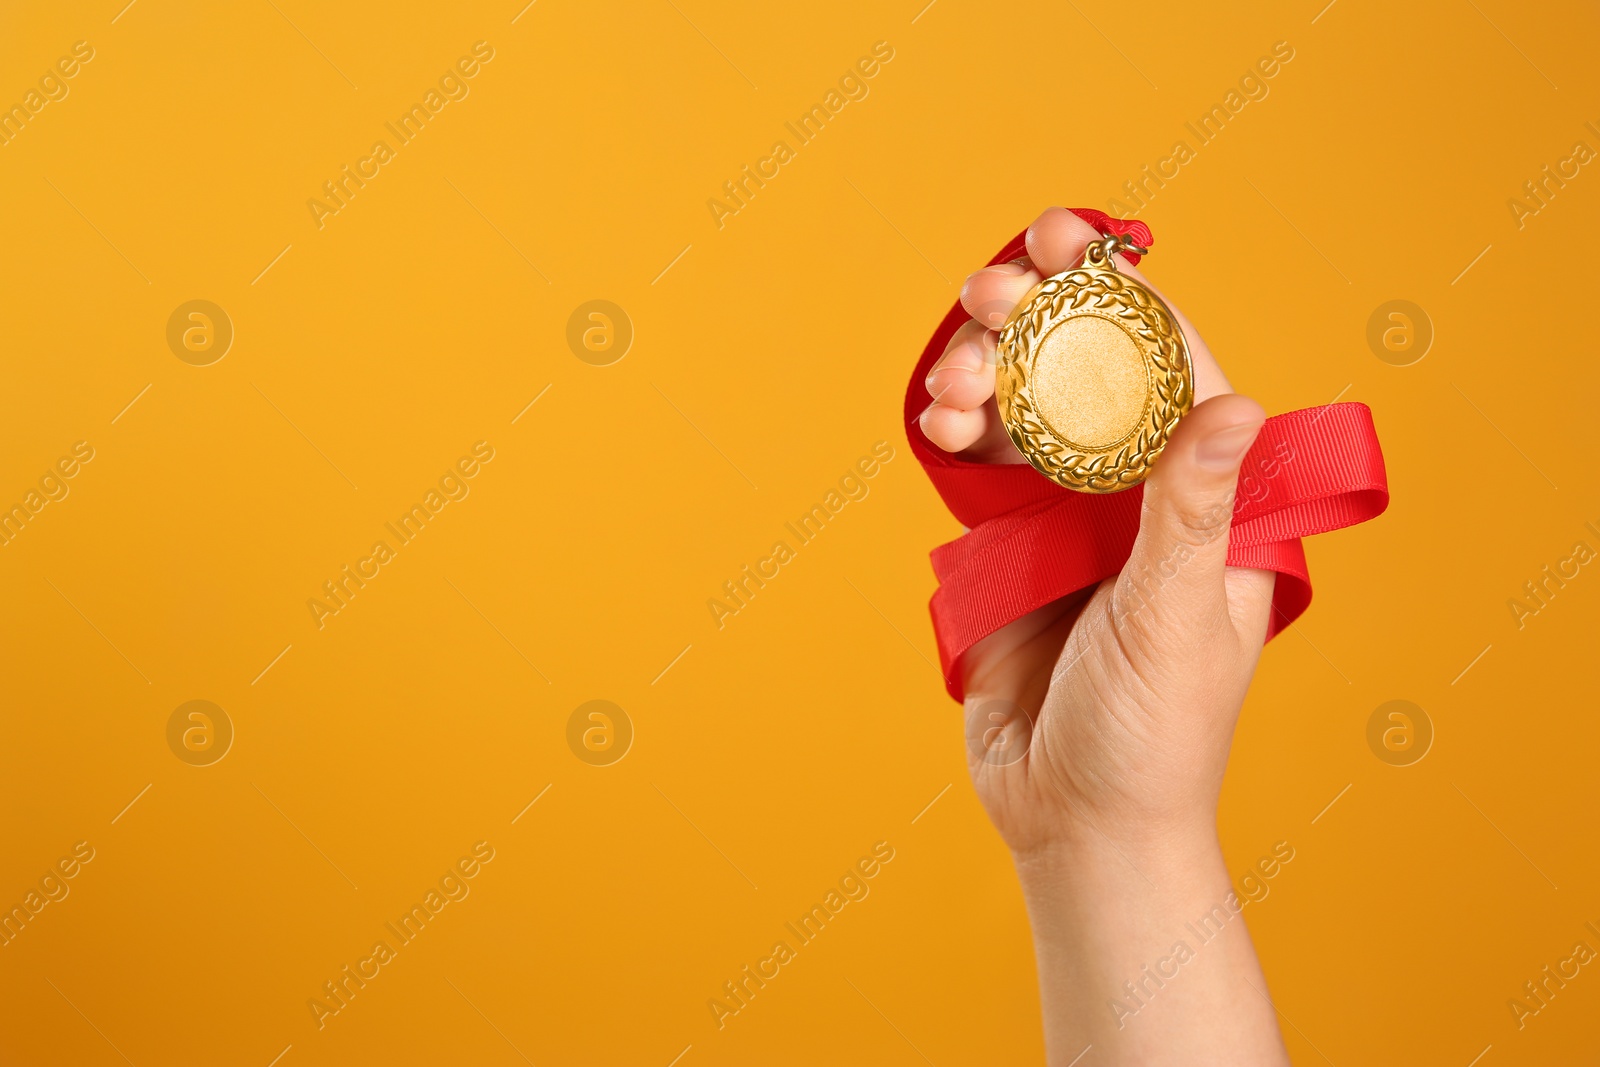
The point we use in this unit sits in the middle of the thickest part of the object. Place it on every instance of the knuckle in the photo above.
(1200, 521)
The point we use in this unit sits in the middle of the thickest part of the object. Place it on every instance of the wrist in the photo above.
(1085, 843)
(1147, 920)
(1143, 954)
(1159, 865)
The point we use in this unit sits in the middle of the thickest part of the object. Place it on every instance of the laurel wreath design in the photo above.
(1107, 294)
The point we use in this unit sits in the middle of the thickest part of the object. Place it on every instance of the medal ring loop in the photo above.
(1099, 253)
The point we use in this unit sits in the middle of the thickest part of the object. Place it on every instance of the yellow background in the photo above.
(769, 357)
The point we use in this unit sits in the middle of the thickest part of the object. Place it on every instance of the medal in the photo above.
(1093, 375)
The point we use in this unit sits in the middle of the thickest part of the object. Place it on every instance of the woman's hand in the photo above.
(1098, 727)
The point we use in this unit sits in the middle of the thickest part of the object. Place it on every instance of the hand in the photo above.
(1120, 700)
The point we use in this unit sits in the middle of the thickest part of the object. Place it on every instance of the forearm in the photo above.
(1143, 955)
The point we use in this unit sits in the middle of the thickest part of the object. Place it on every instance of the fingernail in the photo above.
(1224, 449)
(1010, 270)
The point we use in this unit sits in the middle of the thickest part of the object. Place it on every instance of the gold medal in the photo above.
(1093, 375)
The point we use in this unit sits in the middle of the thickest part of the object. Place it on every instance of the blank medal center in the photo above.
(1090, 382)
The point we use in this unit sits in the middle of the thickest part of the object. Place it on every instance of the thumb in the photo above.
(1174, 578)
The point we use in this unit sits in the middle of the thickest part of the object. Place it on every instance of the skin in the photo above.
(1099, 726)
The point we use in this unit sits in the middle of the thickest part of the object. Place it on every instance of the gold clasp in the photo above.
(1099, 253)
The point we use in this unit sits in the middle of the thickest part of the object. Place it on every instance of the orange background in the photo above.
(769, 355)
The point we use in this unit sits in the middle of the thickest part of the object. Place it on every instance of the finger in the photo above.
(1175, 581)
(1057, 239)
(964, 376)
(990, 294)
(953, 429)
(976, 433)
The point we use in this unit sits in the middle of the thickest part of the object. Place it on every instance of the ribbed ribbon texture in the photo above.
(1031, 542)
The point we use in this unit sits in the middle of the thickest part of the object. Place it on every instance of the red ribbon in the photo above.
(1031, 542)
